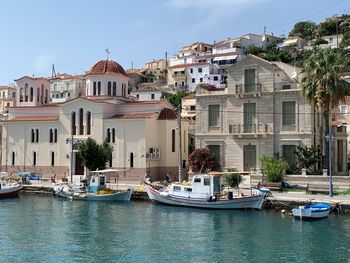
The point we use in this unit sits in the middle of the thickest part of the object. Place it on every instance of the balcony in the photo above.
(248, 89)
(179, 76)
(251, 129)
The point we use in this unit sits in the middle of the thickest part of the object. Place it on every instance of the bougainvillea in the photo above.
(201, 160)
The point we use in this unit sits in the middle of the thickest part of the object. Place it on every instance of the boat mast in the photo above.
(179, 109)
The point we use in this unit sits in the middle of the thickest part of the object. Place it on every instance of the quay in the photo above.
(276, 200)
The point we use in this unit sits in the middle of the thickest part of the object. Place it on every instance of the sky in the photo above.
(73, 34)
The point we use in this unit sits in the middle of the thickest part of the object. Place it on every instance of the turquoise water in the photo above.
(46, 229)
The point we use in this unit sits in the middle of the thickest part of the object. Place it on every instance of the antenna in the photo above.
(107, 52)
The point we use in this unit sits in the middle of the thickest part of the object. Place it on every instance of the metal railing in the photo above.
(261, 128)
(248, 88)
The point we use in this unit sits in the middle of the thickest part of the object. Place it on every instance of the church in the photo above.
(43, 136)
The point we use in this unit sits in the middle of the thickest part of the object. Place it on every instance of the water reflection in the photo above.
(45, 229)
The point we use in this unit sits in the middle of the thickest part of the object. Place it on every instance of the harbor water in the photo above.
(47, 229)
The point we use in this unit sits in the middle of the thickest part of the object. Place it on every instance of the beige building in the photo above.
(144, 135)
(260, 112)
(66, 87)
(7, 97)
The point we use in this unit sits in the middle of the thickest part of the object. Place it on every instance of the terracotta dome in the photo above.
(106, 67)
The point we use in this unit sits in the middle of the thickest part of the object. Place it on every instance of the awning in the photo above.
(225, 58)
(179, 69)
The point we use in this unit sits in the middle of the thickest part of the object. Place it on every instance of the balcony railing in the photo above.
(254, 128)
(179, 75)
(248, 88)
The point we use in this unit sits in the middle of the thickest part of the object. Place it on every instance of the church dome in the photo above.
(106, 67)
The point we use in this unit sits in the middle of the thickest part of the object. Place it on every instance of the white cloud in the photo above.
(216, 4)
(43, 62)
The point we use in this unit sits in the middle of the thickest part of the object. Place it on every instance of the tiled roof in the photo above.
(106, 67)
(7, 87)
(190, 96)
(167, 114)
(146, 115)
(35, 118)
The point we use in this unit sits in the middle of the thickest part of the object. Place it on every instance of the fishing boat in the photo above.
(205, 191)
(9, 185)
(95, 191)
(312, 211)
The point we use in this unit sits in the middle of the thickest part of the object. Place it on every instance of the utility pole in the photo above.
(180, 141)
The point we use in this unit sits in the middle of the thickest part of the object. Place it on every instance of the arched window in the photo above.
(111, 160)
(51, 136)
(99, 88)
(38, 94)
(52, 158)
(21, 95)
(173, 140)
(113, 135)
(31, 94)
(108, 135)
(94, 89)
(131, 160)
(42, 94)
(88, 123)
(13, 158)
(26, 92)
(55, 136)
(81, 123)
(114, 88)
(46, 96)
(37, 135)
(34, 158)
(32, 136)
(73, 123)
(109, 88)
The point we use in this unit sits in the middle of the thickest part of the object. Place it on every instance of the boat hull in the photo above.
(310, 213)
(10, 192)
(119, 196)
(251, 202)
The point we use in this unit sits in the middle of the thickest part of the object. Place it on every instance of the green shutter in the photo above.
(249, 80)
(288, 112)
(249, 116)
(214, 115)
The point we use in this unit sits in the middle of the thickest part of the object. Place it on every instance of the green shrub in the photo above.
(233, 178)
(273, 168)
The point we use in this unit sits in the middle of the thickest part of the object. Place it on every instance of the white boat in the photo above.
(9, 185)
(95, 191)
(205, 192)
(312, 211)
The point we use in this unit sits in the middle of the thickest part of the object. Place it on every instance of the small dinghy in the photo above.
(312, 211)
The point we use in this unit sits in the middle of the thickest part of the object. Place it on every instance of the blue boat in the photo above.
(312, 211)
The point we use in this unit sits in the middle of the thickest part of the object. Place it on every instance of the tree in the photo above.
(201, 160)
(329, 27)
(233, 178)
(175, 99)
(304, 29)
(273, 168)
(322, 83)
(308, 157)
(94, 155)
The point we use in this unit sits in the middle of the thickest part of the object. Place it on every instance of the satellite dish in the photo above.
(294, 75)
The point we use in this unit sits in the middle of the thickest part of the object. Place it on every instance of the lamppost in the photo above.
(71, 157)
(330, 139)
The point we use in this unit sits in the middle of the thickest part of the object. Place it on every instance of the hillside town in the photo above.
(240, 97)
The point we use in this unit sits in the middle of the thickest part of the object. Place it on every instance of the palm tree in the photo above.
(322, 83)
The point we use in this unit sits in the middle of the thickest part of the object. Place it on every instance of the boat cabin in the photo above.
(203, 185)
(97, 182)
